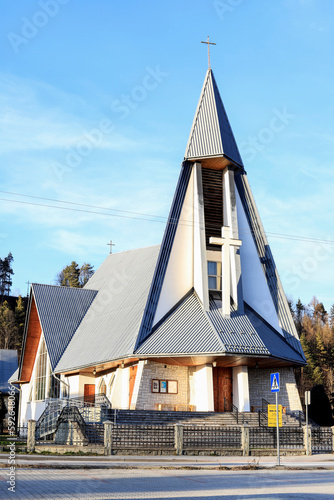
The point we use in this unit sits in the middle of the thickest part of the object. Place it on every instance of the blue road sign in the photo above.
(274, 382)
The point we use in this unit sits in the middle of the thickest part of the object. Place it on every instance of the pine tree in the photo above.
(20, 314)
(74, 276)
(6, 273)
(86, 272)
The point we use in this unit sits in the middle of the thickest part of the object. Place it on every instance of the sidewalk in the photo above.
(153, 461)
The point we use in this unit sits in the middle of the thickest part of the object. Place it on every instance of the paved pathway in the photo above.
(140, 484)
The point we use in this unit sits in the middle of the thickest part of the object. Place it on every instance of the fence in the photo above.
(113, 438)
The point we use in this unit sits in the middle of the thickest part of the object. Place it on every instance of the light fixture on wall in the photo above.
(214, 364)
(122, 364)
(94, 372)
(256, 365)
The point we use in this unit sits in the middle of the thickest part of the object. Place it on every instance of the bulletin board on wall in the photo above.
(164, 386)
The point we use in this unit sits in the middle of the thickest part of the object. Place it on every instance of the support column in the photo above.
(31, 440)
(241, 388)
(178, 429)
(108, 428)
(245, 440)
(307, 442)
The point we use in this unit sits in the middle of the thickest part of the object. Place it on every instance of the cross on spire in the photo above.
(226, 242)
(111, 244)
(208, 44)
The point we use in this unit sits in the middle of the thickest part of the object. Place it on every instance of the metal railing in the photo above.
(233, 410)
(96, 408)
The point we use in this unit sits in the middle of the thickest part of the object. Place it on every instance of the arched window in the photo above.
(103, 387)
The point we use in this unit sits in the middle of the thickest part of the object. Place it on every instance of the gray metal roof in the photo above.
(110, 327)
(187, 330)
(237, 332)
(8, 365)
(211, 133)
(60, 310)
(14, 377)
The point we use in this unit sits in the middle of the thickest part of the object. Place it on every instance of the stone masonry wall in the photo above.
(147, 400)
(259, 387)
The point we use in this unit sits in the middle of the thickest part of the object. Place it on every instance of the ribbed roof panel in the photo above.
(186, 331)
(61, 310)
(8, 365)
(110, 327)
(211, 133)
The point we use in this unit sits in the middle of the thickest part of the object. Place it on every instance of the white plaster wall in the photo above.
(203, 388)
(179, 275)
(241, 388)
(120, 393)
(199, 248)
(254, 284)
(136, 387)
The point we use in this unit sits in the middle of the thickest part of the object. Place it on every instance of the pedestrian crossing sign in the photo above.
(274, 382)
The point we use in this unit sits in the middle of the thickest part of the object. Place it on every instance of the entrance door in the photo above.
(133, 373)
(89, 393)
(222, 387)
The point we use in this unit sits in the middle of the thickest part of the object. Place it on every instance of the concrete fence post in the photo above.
(31, 439)
(245, 440)
(108, 428)
(307, 440)
(178, 438)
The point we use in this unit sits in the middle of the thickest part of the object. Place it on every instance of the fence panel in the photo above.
(266, 437)
(211, 437)
(143, 436)
(322, 439)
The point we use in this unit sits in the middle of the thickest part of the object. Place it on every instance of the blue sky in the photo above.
(97, 102)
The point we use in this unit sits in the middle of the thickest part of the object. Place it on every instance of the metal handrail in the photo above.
(263, 418)
(231, 408)
(264, 405)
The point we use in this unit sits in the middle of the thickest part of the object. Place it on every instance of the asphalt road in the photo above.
(139, 483)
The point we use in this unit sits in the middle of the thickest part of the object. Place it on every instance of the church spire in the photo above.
(211, 139)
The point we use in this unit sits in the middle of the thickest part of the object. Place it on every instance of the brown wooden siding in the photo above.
(31, 344)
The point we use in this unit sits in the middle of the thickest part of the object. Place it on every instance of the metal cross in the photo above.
(111, 244)
(208, 44)
(27, 283)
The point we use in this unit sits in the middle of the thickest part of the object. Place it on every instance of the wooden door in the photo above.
(133, 373)
(222, 387)
(89, 393)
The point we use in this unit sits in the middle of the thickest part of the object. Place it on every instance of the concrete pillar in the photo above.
(241, 388)
(307, 443)
(178, 440)
(31, 440)
(108, 428)
(333, 439)
(245, 440)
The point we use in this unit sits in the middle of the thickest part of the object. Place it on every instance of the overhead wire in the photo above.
(140, 216)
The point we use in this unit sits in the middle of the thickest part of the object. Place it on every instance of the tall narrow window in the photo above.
(103, 388)
(54, 389)
(41, 372)
(215, 275)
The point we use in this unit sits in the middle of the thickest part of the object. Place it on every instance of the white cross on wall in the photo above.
(226, 243)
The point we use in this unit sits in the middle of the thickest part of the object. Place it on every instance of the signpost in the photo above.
(274, 387)
(307, 403)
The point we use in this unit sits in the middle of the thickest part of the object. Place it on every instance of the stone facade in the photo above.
(70, 433)
(259, 387)
(147, 400)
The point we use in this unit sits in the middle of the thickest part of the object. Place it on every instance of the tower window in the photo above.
(215, 275)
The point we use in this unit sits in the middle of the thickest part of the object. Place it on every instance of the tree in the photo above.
(74, 276)
(8, 328)
(86, 272)
(6, 273)
(20, 314)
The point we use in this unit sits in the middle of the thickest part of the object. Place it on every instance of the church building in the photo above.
(197, 323)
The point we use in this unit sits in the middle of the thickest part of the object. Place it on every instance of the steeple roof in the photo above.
(211, 139)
